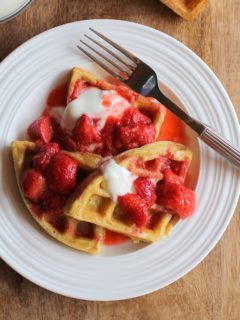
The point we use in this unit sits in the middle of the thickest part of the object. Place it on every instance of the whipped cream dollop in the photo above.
(119, 180)
(95, 103)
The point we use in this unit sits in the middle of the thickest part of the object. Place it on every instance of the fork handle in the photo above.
(221, 145)
(205, 133)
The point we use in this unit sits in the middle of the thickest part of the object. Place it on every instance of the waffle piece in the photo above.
(154, 110)
(187, 9)
(92, 202)
(22, 152)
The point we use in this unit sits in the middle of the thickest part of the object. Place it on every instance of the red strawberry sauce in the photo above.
(173, 129)
(58, 96)
(112, 238)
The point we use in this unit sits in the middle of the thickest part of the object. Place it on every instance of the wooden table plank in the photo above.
(210, 291)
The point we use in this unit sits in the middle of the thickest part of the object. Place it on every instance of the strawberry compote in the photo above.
(154, 186)
(47, 182)
(113, 238)
(168, 193)
(89, 119)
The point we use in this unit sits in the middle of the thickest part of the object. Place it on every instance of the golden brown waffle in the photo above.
(22, 152)
(154, 110)
(187, 9)
(92, 202)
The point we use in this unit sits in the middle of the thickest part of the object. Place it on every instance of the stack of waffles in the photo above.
(90, 207)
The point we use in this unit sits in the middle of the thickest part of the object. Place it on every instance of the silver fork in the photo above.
(143, 79)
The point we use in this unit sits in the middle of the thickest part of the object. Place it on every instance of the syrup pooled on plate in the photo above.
(113, 238)
(58, 96)
(173, 129)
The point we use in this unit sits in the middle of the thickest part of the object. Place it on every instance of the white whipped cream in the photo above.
(95, 103)
(119, 180)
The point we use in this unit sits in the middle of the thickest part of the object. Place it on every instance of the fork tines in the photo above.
(123, 68)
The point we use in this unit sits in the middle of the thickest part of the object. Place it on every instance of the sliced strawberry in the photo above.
(54, 203)
(61, 173)
(39, 144)
(109, 136)
(135, 208)
(69, 144)
(85, 132)
(63, 138)
(41, 160)
(177, 198)
(75, 90)
(50, 148)
(42, 129)
(133, 116)
(134, 136)
(145, 189)
(33, 185)
(44, 155)
(171, 177)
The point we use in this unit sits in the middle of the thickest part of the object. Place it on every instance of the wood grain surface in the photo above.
(212, 289)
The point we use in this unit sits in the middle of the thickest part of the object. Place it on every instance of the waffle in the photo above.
(154, 110)
(186, 9)
(92, 202)
(22, 152)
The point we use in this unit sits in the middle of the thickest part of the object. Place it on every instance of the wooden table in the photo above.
(211, 290)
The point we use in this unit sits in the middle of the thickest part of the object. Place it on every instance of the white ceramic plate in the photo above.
(124, 271)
